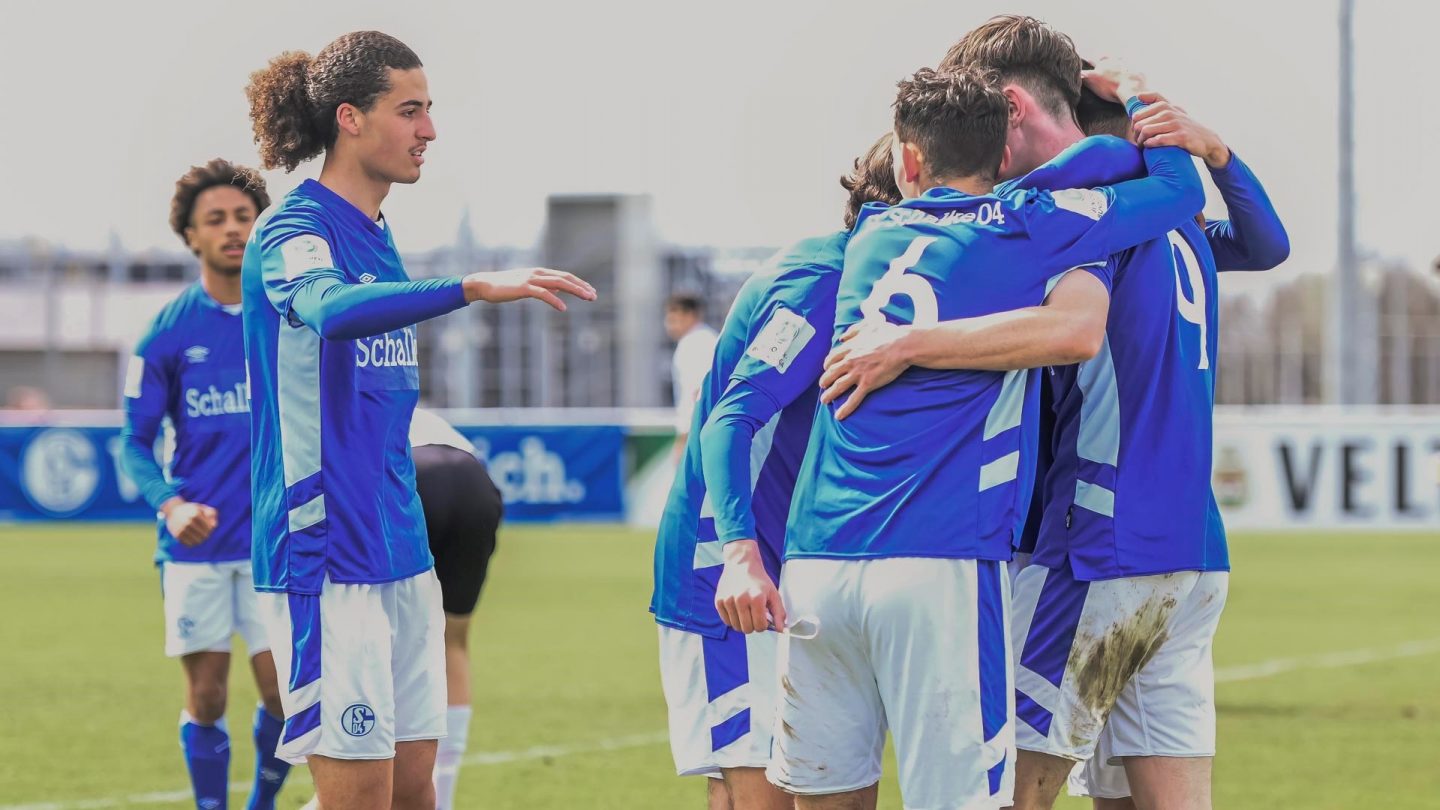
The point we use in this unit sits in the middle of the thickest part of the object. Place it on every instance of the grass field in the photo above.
(568, 709)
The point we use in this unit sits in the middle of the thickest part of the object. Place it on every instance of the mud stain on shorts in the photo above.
(1104, 663)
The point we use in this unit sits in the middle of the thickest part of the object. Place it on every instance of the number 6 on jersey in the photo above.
(897, 281)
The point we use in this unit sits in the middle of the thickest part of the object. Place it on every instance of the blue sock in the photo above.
(207, 755)
(270, 772)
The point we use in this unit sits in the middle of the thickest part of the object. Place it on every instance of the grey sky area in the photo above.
(737, 116)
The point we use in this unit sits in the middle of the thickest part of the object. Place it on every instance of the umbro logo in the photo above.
(197, 354)
(367, 278)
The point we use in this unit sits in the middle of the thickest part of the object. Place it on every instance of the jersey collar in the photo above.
(342, 207)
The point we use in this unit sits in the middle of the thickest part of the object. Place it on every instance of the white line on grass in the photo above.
(536, 752)
(1335, 660)
(1243, 672)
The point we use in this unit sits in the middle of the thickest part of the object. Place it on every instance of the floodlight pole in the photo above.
(1345, 293)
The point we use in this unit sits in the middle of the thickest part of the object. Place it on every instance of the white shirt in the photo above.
(427, 428)
(694, 353)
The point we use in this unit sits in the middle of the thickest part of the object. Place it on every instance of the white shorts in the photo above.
(362, 667)
(1123, 663)
(206, 604)
(918, 646)
(721, 696)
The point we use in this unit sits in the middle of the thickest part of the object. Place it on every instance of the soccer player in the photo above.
(190, 369)
(904, 513)
(1251, 238)
(1115, 617)
(717, 553)
(462, 513)
(350, 601)
(694, 349)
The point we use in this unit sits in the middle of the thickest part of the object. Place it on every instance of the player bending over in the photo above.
(190, 368)
(904, 512)
(717, 553)
(462, 513)
(348, 594)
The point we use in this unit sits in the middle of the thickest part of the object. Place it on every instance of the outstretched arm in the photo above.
(340, 311)
(302, 282)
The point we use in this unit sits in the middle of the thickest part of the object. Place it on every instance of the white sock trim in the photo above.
(186, 719)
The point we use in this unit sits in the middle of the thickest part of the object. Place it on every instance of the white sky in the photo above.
(736, 116)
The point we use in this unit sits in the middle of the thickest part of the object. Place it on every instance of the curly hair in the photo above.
(958, 119)
(1025, 51)
(293, 99)
(198, 179)
(872, 179)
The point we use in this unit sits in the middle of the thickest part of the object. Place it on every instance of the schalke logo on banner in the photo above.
(60, 471)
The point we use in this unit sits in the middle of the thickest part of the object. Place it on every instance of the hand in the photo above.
(190, 523)
(530, 282)
(1113, 80)
(870, 357)
(745, 598)
(1164, 124)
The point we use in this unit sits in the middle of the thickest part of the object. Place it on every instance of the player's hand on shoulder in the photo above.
(540, 283)
(1162, 123)
(1113, 80)
(869, 357)
(189, 522)
(746, 599)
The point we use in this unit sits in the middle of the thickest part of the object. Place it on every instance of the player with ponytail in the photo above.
(347, 589)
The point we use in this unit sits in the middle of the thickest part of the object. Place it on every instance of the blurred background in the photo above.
(668, 148)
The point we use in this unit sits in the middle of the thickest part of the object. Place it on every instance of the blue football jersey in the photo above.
(1252, 238)
(334, 374)
(939, 463)
(190, 368)
(749, 431)
(1127, 492)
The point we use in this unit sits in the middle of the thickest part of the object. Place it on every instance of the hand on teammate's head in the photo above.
(1113, 80)
(1162, 123)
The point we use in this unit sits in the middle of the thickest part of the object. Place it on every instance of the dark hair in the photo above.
(958, 119)
(872, 179)
(1096, 116)
(686, 302)
(217, 172)
(1025, 51)
(293, 99)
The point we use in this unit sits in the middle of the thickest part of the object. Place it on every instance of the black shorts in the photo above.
(462, 512)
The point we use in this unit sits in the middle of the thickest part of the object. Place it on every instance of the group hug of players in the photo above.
(1012, 307)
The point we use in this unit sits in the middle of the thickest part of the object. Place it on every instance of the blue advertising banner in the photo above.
(571, 472)
(52, 473)
(544, 473)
